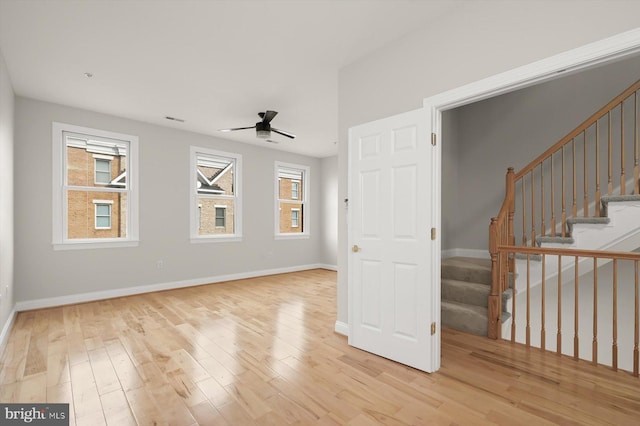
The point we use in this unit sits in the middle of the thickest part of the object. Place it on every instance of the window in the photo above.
(221, 215)
(103, 171)
(215, 195)
(103, 213)
(91, 208)
(292, 200)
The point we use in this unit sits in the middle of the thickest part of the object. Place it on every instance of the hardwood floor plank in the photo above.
(14, 359)
(263, 351)
(116, 409)
(86, 400)
(171, 406)
(206, 414)
(185, 388)
(103, 371)
(215, 392)
(143, 407)
(33, 388)
(125, 369)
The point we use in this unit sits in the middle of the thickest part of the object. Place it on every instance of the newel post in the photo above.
(493, 325)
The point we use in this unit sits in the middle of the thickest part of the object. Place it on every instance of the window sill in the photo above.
(221, 239)
(86, 245)
(292, 236)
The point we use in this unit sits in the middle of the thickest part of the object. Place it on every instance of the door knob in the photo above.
(355, 248)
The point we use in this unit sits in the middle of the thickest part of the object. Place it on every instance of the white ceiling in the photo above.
(215, 64)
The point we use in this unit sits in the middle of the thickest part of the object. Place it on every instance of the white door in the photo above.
(391, 280)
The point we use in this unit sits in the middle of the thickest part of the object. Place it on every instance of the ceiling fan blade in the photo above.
(283, 133)
(268, 116)
(236, 128)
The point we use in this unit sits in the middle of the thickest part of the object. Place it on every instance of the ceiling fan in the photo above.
(263, 128)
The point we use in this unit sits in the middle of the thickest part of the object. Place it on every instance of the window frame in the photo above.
(96, 159)
(297, 218)
(97, 203)
(304, 201)
(224, 215)
(60, 240)
(194, 224)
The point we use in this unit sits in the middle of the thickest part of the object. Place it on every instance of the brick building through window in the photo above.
(91, 166)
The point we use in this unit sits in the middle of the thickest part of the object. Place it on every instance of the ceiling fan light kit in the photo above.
(263, 128)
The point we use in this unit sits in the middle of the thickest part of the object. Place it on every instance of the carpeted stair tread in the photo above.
(468, 292)
(463, 317)
(614, 198)
(465, 292)
(606, 199)
(594, 220)
(554, 240)
(467, 269)
(586, 220)
(465, 289)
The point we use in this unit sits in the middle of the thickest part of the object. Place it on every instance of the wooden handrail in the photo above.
(570, 252)
(581, 128)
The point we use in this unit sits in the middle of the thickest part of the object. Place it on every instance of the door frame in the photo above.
(614, 48)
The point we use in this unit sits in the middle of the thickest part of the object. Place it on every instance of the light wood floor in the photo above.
(263, 351)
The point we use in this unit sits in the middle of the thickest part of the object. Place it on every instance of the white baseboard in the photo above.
(342, 328)
(129, 291)
(328, 267)
(460, 252)
(4, 335)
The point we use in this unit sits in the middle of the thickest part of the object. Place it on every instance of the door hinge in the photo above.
(433, 328)
(433, 233)
(433, 139)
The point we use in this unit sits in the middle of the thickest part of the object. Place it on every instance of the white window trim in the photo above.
(215, 218)
(297, 225)
(193, 196)
(59, 214)
(297, 183)
(304, 200)
(95, 169)
(106, 203)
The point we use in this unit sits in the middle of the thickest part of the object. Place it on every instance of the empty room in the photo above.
(319, 212)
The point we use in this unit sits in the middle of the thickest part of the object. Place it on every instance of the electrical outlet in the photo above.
(160, 264)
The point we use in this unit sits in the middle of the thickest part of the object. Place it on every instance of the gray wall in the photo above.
(479, 40)
(329, 211)
(512, 130)
(6, 195)
(41, 272)
(450, 181)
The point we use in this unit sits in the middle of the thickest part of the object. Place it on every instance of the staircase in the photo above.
(465, 289)
(576, 205)
(568, 230)
(466, 282)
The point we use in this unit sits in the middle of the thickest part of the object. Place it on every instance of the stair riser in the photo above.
(466, 274)
(469, 322)
(471, 294)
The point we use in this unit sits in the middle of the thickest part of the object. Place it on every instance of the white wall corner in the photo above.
(6, 330)
(342, 328)
(328, 267)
